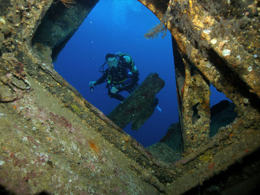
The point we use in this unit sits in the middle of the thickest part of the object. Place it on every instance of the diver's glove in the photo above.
(92, 83)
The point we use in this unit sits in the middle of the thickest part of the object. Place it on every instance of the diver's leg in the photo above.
(116, 96)
(131, 88)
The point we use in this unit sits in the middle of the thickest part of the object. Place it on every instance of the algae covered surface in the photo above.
(46, 147)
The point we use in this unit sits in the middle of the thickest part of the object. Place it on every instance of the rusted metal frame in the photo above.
(193, 96)
(210, 68)
(214, 76)
(195, 157)
(240, 96)
(231, 92)
(203, 25)
(221, 159)
(153, 6)
(179, 78)
(195, 109)
(194, 133)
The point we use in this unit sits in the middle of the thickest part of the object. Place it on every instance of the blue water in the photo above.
(120, 25)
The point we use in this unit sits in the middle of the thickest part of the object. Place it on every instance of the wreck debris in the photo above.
(140, 105)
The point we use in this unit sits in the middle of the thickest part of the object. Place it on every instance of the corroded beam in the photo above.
(218, 38)
(194, 25)
(199, 25)
(195, 109)
(140, 105)
(193, 99)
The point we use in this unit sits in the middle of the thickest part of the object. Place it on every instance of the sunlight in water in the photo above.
(122, 8)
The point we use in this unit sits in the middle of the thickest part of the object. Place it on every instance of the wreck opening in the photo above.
(222, 111)
(53, 40)
(53, 140)
(59, 36)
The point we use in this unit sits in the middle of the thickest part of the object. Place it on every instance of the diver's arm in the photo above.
(130, 65)
(102, 79)
(133, 72)
(99, 81)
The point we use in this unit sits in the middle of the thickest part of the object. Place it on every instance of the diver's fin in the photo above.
(158, 108)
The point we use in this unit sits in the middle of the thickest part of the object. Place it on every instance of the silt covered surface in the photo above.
(45, 147)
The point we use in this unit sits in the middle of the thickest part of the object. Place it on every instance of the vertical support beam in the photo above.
(194, 106)
(179, 77)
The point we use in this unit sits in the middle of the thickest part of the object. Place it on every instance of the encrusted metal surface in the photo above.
(214, 43)
(140, 105)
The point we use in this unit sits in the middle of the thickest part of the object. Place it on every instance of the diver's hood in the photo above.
(110, 55)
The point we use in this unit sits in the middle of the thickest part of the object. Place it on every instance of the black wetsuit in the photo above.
(124, 77)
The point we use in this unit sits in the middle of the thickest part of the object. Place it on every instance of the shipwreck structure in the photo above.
(54, 141)
(140, 105)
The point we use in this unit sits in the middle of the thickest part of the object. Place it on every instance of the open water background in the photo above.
(120, 25)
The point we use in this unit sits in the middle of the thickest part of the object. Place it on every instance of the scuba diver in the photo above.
(121, 75)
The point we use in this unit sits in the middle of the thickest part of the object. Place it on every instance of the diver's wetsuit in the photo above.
(124, 77)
